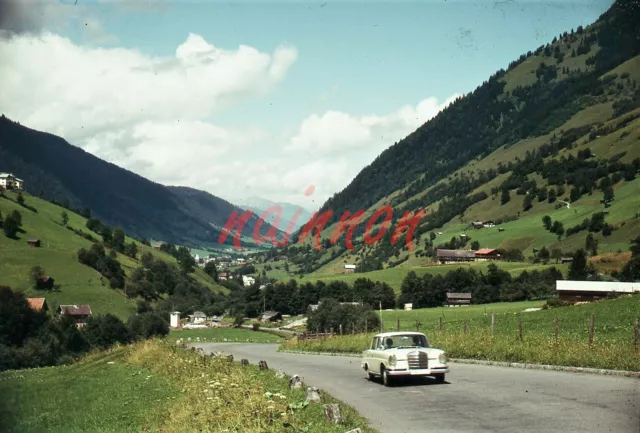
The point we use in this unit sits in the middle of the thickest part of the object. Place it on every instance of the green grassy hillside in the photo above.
(79, 284)
(565, 116)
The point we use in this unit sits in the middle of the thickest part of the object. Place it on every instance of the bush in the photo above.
(147, 325)
(256, 326)
(555, 303)
(107, 330)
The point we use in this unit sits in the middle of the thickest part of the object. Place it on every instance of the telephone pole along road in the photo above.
(474, 398)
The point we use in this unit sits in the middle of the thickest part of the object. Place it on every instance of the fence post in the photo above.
(341, 329)
(366, 330)
(635, 334)
(555, 330)
(398, 324)
(520, 325)
(591, 328)
(417, 324)
(465, 327)
(493, 323)
(441, 328)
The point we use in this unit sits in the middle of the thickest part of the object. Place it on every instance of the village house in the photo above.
(197, 317)
(38, 304)
(9, 181)
(79, 313)
(485, 254)
(589, 291)
(458, 299)
(454, 256)
(349, 269)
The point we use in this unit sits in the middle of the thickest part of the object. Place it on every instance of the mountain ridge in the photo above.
(57, 170)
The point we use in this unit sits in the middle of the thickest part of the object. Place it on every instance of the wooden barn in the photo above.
(484, 254)
(458, 299)
(453, 256)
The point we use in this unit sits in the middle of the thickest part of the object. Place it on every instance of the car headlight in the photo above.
(442, 358)
(392, 361)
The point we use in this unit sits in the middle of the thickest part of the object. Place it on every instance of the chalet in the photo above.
(452, 256)
(271, 316)
(484, 254)
(349, 269)
(38, 304)
(456, 299)
(197, 317)
(79, 313)
(34, 242)
(477, 224)
(588, 291)
(9, 181)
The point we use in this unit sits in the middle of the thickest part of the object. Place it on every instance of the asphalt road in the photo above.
(474, 398)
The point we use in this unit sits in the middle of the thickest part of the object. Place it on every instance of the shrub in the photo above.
(147, 325)
(256, 326)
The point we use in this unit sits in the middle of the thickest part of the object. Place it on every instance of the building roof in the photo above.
(485, 251)
(349, 266)
(36, 303)
(597, 286)
(270, 314)
(459, 295)
(456, 253)
(75, 310)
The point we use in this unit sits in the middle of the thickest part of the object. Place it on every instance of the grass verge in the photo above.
(612, 347)
(154, 386)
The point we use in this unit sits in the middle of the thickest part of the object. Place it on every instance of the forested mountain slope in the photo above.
(559, 125)
(54, 169)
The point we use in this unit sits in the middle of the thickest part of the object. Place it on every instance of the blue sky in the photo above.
(352, 57)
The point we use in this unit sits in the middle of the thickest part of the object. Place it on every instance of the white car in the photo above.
(394, 354)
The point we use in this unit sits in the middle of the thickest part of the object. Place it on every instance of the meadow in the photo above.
(395, 276)
(465, 332)
(78, 284)
(154, 386)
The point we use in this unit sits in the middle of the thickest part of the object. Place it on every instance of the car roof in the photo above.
(394, 334)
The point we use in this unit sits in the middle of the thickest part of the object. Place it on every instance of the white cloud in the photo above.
(153, 115)
(337, 131)
(133, 109)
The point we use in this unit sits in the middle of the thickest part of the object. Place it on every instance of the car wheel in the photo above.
(386, 379)
(439, 378)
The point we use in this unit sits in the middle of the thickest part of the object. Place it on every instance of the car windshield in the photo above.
(398, 341)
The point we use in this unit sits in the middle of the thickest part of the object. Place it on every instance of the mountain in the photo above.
(259, 205)
(56, 170)
(555, 134)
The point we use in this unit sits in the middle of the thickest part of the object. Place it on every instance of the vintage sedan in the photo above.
(394, 354)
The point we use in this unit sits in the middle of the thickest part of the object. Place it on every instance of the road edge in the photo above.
(598, 371)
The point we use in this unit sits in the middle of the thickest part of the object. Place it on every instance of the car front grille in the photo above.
(418, 360)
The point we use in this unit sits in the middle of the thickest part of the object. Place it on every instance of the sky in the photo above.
(257, 99)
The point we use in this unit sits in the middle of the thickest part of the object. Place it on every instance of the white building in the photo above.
(349, 269)
(9, 181)
(174, 319)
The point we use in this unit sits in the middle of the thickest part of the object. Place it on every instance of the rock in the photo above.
(332, 414)
(280, 374)
(295, 382)
(313, 396)
(263, 365)
(244, 362)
